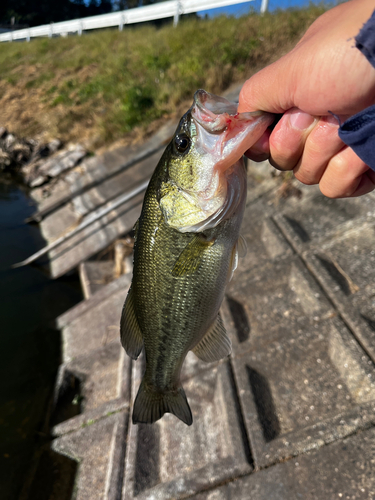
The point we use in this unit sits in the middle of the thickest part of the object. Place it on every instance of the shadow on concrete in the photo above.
(240, 320)
(298, 229)
(264, 404)
(335, 274)
(69, 399)
(53, 478)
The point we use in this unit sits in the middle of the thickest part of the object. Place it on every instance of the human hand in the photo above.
(324, 73)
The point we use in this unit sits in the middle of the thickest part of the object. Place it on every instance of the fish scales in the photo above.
(168, 311)
(185, 251)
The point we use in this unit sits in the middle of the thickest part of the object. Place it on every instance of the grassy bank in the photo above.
(105, 84)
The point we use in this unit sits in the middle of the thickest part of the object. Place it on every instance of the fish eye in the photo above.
(182, 143)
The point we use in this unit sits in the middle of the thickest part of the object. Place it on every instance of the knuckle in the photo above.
(276, 165)
(308, 173)
(309, 181)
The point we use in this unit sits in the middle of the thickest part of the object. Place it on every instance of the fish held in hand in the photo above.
(186, 250)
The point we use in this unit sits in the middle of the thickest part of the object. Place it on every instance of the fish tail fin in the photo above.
(150, 405)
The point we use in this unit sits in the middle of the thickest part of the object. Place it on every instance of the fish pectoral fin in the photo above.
(192, 255)
(131, 335)
(241, 246)
(150, 405)
(233, 263)
(215, 344)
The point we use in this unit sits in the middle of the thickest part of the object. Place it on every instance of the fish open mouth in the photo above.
(213, 104)
(222, 132)
(207, 182)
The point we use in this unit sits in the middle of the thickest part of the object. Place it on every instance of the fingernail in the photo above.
(332, 120)
(300, 120)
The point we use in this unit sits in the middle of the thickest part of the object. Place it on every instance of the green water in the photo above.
(29, 345)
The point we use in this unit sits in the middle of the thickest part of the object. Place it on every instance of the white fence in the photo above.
(171, 8)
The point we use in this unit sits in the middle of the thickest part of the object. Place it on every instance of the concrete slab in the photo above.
(114, 186)
(100, 449)
(91, 240)
(314, 218)
(92, 185)
(95, 275)
(346, 268)
(94, 328)
(92, 171)
(342, 470)
(169, 460)
(301, 392)
(263, 238)
(273, 302)
(102, 381)
(53, 167)
(103, 374)
(121, 283)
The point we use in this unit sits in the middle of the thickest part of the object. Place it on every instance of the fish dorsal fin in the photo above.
(215, 344)
(191, 256)
(131, 335)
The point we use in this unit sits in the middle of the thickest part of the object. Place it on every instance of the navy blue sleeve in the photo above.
(365, 40)
(358, 131)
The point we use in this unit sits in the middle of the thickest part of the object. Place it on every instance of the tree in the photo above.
(34, 12)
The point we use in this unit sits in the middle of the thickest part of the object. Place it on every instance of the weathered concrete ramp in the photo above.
(291, 413)
(94, 184)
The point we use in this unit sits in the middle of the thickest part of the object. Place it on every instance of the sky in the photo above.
(241, 9)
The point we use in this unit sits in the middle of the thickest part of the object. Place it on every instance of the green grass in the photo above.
(120, 80)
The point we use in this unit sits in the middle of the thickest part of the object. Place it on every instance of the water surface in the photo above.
(29, 344)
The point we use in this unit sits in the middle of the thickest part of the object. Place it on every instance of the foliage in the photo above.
(44, 11)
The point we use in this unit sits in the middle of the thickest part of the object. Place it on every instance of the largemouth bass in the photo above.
(186, 250)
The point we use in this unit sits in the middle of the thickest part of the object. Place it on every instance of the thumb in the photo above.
(268, 90)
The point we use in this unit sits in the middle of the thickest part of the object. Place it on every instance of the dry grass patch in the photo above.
(108, 85)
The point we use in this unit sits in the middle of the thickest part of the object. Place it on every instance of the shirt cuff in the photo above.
(358, 132)
(365, 40)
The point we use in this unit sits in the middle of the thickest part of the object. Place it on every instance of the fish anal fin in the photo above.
(215, 344)
(131, 335)
(191, 256)
(150, 405)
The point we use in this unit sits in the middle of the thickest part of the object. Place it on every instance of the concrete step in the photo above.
(96, 325)
(288, 415)
(95, 372)
(93, 184)
(119, 285)
(95, 275)
(170, 460)
(339, 470)
(99, 448)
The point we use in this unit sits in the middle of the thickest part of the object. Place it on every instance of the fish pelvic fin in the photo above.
(131, 335)
(215, 344)
(150, 405)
